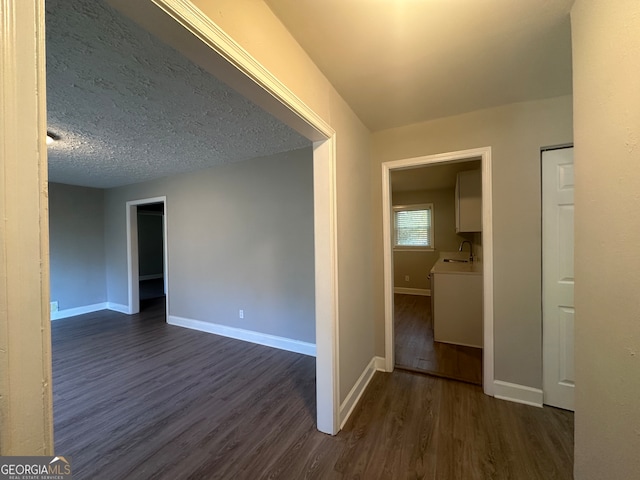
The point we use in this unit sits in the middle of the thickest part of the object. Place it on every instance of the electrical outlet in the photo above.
(241, 313)
(406, 278)
(54, 307)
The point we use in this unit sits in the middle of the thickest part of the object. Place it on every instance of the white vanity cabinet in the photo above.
(469, 201)
(456, 298)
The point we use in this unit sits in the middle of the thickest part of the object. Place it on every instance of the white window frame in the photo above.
(405, 208)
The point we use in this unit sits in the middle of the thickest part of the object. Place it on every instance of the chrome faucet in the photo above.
(470, 249)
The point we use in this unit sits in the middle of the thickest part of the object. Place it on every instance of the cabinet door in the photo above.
(469, 201)
(457, 314)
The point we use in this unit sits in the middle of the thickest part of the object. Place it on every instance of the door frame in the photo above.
(26, 398)
(180, 24)
(133, 274)
(484, 154)
(174, 21)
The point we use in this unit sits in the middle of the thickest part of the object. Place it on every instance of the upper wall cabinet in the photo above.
(469, 201)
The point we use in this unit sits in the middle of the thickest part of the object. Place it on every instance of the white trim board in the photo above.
(424, 292)
(265, 339)
(96, 307)
(518, 393)
(117, 307)
(26, 407)
(72, 312)
(483, 153)
(351, 401)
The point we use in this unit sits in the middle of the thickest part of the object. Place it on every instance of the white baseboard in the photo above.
(517, 393)
(425, 292)
(116, 307)
(72, 312)
(274, 341)
(349, 404)
(150, 277)
(461, 344)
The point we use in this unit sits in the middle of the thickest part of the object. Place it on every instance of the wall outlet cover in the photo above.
(54, 307)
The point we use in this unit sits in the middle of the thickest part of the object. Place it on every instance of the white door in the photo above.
(557, 277)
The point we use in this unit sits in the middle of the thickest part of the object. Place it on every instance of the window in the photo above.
(413, 227)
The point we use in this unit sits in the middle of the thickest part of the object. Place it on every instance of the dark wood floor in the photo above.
(416, 350)
(135, 398)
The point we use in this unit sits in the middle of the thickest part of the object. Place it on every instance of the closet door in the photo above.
(557, 278)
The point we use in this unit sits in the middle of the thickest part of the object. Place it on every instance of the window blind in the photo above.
(413, 228)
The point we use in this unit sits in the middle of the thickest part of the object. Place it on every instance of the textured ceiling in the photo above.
(128, 108)
(398, 62)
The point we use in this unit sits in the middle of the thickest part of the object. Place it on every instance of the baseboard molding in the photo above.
(425, 292)
(116, 307)
(456, 343)
(517, 393)
(349, 404)
(72, 312)
(150, 277)
(274, 341)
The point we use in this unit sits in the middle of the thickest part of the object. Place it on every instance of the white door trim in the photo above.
(133, 276)
(183, 26)
(26, 405)
(487, 249)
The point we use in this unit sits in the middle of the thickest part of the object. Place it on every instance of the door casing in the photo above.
(133, 277)
(484, 154)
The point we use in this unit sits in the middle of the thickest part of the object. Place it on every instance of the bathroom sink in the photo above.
(456, 260)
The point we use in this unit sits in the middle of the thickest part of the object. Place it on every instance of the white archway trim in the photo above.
(487, 247)
(326, 280)
(183, 26)
(190, 17)
(171, 19)
(26, 405)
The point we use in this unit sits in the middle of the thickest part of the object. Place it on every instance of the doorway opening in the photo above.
(183, 27)
(451, 161)
(147, 259)
(151, 249)
(180, 23)
(427, 229)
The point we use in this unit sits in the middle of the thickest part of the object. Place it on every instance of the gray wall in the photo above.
(606, 66)
(515, 132)
(76, 231)
(240, 236)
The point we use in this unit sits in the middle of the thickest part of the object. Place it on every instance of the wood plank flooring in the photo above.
(135, 398)
(416, 350)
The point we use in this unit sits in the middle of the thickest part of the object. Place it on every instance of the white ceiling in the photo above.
(398, 62)
(128, 108)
